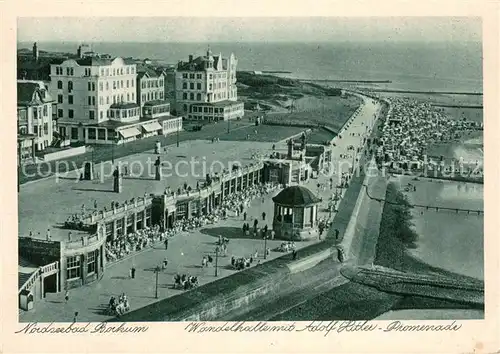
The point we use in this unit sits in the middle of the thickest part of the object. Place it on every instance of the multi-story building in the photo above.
(150, 85)
(97, 101)
(34, 118)
(205, 88)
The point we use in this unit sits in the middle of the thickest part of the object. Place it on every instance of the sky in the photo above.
(249, 29)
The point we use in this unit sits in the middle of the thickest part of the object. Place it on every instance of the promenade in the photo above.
(186, 249)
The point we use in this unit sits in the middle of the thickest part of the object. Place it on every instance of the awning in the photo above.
(129, 132)
(151, 127)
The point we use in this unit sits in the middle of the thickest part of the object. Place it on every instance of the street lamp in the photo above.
(216, 260)
(178, 127)
(157, 271)
(265, 246)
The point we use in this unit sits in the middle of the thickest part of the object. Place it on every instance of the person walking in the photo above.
(272, 234)
(132, 272)
(166, 244)
(66, 296)
(263, 215)
(245, 216)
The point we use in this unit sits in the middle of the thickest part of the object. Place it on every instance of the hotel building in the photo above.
(205, 88)
(34, 118)
(96, 100)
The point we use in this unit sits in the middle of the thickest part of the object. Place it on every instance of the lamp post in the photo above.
(228, 125)
(216, 260)
(265, 246)
(178, 133)
(157, 271)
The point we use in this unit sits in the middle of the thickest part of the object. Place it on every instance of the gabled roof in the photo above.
(31, 93)
(144, 70)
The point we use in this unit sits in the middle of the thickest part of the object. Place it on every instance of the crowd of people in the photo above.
(412, 126)
(234, 203)
(118, 307)
(133, 242)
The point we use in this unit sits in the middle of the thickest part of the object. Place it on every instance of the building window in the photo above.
(59, 113)
(184, 85)
(59, 84)
(198, 86)
(59, 98)
(91, 262)
(111, 134)
(90, 101)
(191, 96)
(107, 99)
(107, 85)
(112, 113)
(210, 86)
(74, 133)
(35, 129)
(114, 85)
(107, 71)
(132, 83)
(70, 99)
(101, 100)
(67, 71)
(121, 83)
(45, 128)
(156, 95)
(93, 100)
(70, 113)
(101, 134)
(73, 267)
(91, 133)
(101, 114)
(191, 76)
(91, 115)
(210, 76)
(184, 76)
(198, 96)
(133, 70)
(102, 72)
(100, 86)
(161, 95)
(45, 110)
(127, 83)
(184, 96)
(133, 97)
(191, 86)
(93, 86)
(128, 97)
(128, 70)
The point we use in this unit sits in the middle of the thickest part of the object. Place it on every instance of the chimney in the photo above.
(190, 58)
(35, 52)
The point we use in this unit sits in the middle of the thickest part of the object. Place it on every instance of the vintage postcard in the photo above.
(293, 179)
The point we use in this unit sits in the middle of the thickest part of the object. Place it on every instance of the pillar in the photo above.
(134, 227)
(207, 205)
(42, 295)
(118, 181)
(114, 229)
(188, 210)
(33, 149)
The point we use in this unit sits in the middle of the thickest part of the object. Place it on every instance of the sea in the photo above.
(450, 66)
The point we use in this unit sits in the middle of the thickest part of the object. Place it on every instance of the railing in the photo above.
(28, 284)
(91, 219)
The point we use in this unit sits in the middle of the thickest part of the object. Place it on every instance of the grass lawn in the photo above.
(330, 111)
(265, 133)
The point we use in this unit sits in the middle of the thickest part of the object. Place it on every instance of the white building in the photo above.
(34, 110)
(205, 88)
(97, 101)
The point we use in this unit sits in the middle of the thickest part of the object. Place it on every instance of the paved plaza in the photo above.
(47, 204)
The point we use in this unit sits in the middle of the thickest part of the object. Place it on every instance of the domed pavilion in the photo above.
(295, 214)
